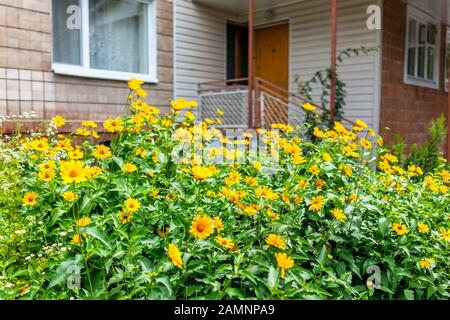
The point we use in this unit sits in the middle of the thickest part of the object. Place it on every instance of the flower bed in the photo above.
(132, 220)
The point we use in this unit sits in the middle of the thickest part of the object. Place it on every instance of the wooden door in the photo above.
(272, 64)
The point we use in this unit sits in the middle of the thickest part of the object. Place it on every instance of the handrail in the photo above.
(278, 95)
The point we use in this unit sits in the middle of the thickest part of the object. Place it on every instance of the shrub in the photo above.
(134, 220)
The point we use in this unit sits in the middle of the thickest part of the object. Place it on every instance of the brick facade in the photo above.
(27, 83)
(406, 109)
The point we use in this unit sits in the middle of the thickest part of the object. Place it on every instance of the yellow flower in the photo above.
(273, 215)
(224, 242)
(131, 205)
(314, 170)
(353, 197)
(83, 222)
(29, 199)
(58, 121)
(422, 227)
(202, 173)
(365, 143)
(276, 241)
(426, 263)
(102, 152)
(202, 226)
(76, 154)
(316, 203)
(70, 196)
(129, 167)
(125, 217)
(93, 172)
(218, 224)
(444, 234)
(339, 214)
(48, 165)
(219, 112)
(189, 115)
(141, 93)
(347, 171)
(113, 125)
(401, 229)
(251, 210)
(284, 262)
(309, 107)
(233, 178)
(175, 256)
(327, 158)
(251, 181)
(320, 183)
(47, 175)
(89, 124)
(77, 239)
(73, 172)
(361, 124)
(257, 165)
(135, 84)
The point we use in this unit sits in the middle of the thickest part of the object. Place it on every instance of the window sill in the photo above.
(421, 83)
(78, 71)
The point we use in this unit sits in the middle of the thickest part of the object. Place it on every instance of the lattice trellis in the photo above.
(234, 104)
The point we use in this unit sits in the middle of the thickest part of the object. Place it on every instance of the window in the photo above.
(108, 39)
(422, 50)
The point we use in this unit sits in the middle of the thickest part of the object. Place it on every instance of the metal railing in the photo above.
(271, 104)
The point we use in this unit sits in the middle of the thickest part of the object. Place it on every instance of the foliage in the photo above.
(426, 156)
(135, 221)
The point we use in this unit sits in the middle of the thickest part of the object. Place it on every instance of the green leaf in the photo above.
(409, 294)
(322, 255)
(384, 225)
(99, 235)
(234, 293)
(272, 278)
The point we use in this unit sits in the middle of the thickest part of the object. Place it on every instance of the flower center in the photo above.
(200, 227)
(73, 174)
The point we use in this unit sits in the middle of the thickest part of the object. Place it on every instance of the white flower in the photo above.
(8, 285)
(20, 232)
(63, 233)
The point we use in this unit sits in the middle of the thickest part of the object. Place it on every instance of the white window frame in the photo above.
(447, 44)
(84, 69)
(422, 17)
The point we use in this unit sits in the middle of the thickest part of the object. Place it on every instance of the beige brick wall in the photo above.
(28, 84)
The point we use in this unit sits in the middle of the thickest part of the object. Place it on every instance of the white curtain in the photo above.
(66, 42)
(118, 35)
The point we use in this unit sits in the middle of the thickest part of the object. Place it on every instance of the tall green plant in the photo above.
(428, 155)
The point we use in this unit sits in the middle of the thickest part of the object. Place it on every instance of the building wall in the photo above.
(28, 84)
(200, 53)
(406, 109)
(200, 48)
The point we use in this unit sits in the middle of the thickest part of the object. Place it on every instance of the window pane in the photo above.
(432, 32)
(412, 61)
(412, 33)
(422, 33)
(430, 64)
(118, 35)
(66, 31)
(421, 66)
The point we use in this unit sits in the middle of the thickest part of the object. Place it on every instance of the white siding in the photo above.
(200, 48)
(200, 53)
